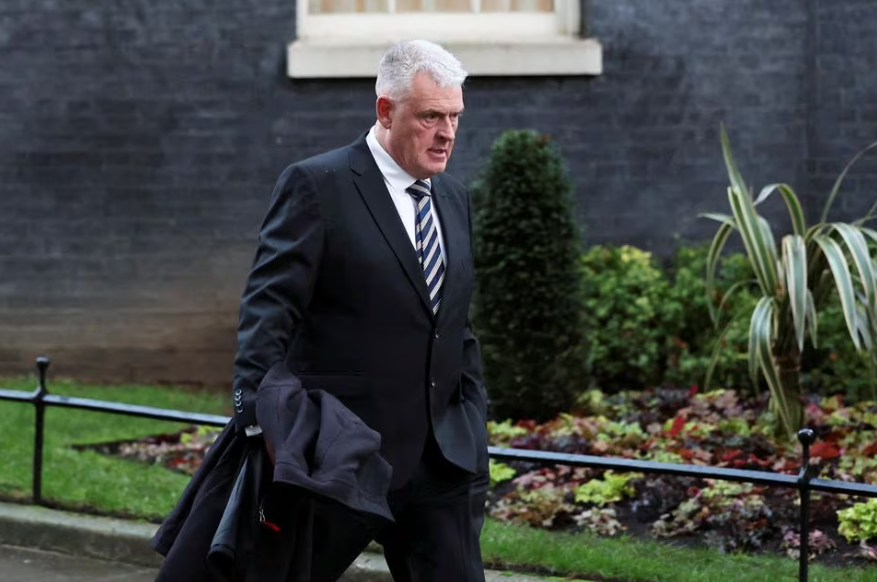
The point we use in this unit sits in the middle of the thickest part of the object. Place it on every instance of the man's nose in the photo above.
(446, 129)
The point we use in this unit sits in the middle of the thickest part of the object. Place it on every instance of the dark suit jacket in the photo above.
(323, 452)
(337, 291)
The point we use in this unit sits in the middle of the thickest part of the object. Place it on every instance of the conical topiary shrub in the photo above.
(527, 251)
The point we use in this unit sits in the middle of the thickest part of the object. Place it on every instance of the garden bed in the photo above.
(684, 426)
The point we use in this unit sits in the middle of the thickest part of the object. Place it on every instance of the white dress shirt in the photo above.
(397, 180)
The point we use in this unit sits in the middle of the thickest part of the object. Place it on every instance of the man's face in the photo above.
(422, 126)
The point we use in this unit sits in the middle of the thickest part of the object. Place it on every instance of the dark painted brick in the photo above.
(141, 142)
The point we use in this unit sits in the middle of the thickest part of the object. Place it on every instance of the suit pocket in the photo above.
(479, 433)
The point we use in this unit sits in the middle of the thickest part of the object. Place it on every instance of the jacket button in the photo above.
(436, 335)
(432, 383)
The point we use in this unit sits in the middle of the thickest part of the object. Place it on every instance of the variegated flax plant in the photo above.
(795, 278)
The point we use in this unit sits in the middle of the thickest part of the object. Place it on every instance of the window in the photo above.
(345, 38)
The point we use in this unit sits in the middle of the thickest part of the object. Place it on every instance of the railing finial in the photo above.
(42, 365)
(806, 436)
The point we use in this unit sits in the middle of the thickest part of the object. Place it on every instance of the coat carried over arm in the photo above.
(242, 518)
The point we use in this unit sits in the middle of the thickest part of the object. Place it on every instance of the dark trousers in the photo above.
(436, 536)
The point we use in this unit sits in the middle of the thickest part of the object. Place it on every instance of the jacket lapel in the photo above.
(373, 190)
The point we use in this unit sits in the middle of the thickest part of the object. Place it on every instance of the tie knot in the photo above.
(418, 189)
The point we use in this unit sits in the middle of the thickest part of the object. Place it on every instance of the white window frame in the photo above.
(488, 43)
(441, 26)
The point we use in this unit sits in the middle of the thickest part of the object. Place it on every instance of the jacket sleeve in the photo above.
(472, 376)
(279, 286)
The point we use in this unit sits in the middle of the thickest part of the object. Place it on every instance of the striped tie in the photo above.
(426, 237)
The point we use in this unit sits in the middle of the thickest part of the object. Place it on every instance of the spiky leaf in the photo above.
(795, 262)
(843, 282)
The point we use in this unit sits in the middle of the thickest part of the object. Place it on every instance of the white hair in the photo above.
(404, 60)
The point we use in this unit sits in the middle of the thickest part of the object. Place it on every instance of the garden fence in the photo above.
(803, 482)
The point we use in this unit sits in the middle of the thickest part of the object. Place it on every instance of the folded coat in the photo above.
(241, 518)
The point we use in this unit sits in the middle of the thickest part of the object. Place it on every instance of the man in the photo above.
(361, 283)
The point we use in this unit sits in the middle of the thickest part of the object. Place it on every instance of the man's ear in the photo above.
(385, 109)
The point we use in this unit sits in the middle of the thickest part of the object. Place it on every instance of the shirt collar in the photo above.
(398, 178)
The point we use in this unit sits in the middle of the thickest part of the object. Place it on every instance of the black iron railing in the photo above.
(803, 481)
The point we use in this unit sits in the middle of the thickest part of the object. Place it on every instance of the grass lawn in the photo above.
(626, 560)
(88, 480)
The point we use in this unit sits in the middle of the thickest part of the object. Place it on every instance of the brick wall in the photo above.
(844, 104)
(140, 143)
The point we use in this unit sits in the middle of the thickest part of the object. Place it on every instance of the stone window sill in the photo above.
(351, 58)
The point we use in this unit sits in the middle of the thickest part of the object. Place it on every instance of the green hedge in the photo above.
(691, 335)
(624, 296)
(648, 324)
(527, 298)
(555, 320)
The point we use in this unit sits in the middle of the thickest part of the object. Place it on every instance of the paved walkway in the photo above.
(117, 550)
(28, 565)
(25, 565)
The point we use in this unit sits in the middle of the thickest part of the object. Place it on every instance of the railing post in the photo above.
(806, 438)
(40, 407)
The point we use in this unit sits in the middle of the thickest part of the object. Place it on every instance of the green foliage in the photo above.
(735, 425)
(200, 433)
(691, 338)
(834, 364)
(720, 428)
(542, 497)
(620, 432)
(538, 507)
(795, 276)
(499, 472)
(593, 401)
(526, 258)
(734, 517)
(859, 522)
(502, 432)
(602, 521)
(624, 294)
(673, 340)
(612, 488)
(819, 543)
(648, 325)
